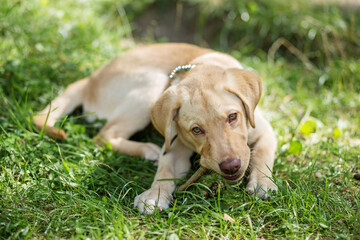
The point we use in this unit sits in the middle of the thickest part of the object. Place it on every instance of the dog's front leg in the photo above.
(173, 164)
(262, 160)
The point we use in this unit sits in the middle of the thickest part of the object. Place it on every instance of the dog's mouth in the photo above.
(232, 177)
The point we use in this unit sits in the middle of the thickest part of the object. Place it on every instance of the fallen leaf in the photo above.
(308, 127)
(295, 147)
(336, 133)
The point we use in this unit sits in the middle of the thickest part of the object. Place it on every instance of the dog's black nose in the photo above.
(230, 166)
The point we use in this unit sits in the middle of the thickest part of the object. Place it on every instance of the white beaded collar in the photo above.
(181, 68)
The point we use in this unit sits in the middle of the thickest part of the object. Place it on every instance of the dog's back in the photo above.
(129, 83)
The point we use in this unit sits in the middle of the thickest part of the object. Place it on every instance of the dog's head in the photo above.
(210, 110)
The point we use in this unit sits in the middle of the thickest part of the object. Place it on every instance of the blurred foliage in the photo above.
(322, 31)
(44, 47)
(324, 35)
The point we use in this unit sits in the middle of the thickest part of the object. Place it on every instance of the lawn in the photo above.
(74, 189)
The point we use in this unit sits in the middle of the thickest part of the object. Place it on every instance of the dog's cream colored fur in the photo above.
(134, 88)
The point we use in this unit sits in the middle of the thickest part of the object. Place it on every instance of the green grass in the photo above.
(73, 189)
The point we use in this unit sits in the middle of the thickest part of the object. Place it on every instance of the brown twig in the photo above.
(201, 171)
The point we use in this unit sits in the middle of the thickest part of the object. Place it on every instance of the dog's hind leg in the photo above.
(65, 103)
(117, 132)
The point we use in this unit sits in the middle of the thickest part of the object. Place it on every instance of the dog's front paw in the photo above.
(151, 151)
(260, 187)
(150, 200)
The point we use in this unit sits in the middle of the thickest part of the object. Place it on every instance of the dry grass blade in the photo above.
(283, 42)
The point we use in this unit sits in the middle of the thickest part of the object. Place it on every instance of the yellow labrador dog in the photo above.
(208, 106)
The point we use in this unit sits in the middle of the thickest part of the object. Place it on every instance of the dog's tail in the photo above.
(65, 103)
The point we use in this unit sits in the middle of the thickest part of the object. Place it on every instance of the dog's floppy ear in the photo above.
(164, 112)
(247, 86)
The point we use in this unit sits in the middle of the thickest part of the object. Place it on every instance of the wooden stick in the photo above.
(201, 171)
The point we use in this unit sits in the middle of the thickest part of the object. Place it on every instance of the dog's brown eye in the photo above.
(232, 117)
(197, 131)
